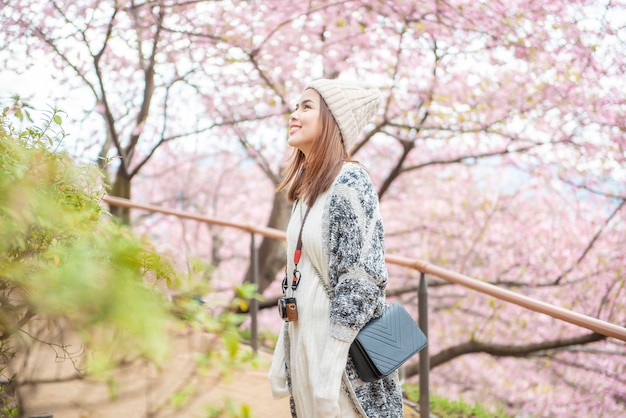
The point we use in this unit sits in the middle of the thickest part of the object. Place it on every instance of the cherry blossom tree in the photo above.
(499, 153)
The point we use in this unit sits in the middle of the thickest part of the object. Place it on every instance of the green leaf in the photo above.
(231, 341)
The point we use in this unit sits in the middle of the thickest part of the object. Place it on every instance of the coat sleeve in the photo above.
(357, 273)
(356, 254)
(278, 370)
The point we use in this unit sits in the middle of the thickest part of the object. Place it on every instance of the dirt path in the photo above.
(141, 389)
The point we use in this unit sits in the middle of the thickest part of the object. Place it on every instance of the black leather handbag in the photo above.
(386, 343)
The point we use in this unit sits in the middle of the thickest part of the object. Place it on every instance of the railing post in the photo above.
(422, 301)
(254, 303)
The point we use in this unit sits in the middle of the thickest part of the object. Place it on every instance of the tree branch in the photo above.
(500, 350)
(591, 243)
(148, 92)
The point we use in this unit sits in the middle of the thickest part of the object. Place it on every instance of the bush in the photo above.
(60, 256)
(65, 260)
(446, 408)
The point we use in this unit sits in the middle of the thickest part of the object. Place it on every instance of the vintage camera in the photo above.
(287, 309)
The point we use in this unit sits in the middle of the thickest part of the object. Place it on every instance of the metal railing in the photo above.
(601, 327)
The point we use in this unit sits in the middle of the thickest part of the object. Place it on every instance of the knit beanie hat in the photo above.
(351, 104)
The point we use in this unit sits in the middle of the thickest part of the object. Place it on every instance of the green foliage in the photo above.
(217, 317)
(229, 410)
(62, 257)
(8, 407)
(180, 398)
(9, 412)
(446, 408)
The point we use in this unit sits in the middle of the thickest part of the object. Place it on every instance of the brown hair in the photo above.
(308, 179)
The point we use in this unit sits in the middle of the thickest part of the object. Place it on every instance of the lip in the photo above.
(293, 129)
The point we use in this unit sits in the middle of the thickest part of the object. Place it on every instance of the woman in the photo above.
(342, 273)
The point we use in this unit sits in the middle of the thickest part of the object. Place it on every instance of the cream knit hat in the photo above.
(351, 104)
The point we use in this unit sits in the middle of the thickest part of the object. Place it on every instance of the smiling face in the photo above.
(305, 122)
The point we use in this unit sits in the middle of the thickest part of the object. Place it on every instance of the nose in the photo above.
(293, 116)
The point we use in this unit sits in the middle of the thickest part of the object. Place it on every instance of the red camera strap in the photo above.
(295, 281)
(297, 254)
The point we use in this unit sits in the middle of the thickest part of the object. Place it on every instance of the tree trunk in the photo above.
(271, 252)
(121, 188)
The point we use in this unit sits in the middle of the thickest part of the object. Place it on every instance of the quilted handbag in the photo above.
(385, 343)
